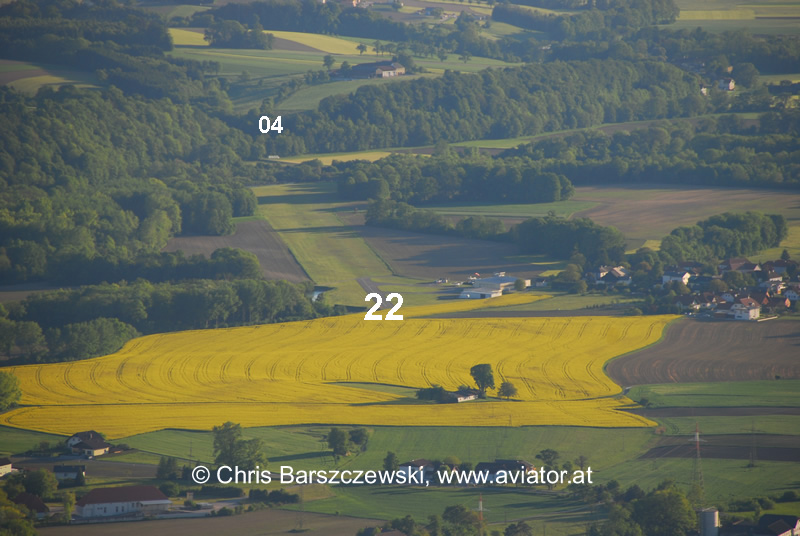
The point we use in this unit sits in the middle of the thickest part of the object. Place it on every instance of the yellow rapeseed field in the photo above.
(325, 43)
(282, 374)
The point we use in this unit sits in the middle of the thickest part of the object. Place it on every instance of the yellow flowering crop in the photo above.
(282, 374)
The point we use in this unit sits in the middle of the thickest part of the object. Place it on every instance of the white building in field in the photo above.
(122, 501)
(480, 293)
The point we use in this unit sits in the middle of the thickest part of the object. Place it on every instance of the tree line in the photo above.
(446, 177)
(724, 236)
(602, 21)
(549, 235)
(718, 152)
(95, 320)
(493, 104)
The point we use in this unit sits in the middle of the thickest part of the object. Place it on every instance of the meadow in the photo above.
(282, 374)
(782, 393)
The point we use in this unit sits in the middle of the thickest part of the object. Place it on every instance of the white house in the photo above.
(480, 293)
(746, 309)
(122, 501)
(69, 472)
(5, 466)
(682, 276)
(89, 443)
(74, 439)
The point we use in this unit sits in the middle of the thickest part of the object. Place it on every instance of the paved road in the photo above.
(371, 286)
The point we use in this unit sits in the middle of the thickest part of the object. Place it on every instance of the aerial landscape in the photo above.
(400, 267)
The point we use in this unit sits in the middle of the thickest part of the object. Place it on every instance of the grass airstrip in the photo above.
(293, 373)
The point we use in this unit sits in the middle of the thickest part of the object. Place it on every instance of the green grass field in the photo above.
(724, 479)
(304, 447)
(16, 441)
(563, 209)
(790, 244)
(501, 503)
(780, 393)
(763, 424)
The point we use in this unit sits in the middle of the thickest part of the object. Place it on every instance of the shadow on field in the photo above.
(302, 456)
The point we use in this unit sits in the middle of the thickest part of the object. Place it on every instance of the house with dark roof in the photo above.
(69, 472)
(122, 501)
(33, 503)
(739, 264)
(427, 466)
(5, 466)
(74, 439)
(91, 447)
(777, 525)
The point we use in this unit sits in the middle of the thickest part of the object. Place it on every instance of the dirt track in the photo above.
(695, 351)
(256, 236)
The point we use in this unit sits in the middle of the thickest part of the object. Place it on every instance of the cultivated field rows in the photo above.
(282, 374)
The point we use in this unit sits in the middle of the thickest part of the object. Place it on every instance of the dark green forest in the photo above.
(89, 174)
(722, 152)
(494, 104)
(447, 177)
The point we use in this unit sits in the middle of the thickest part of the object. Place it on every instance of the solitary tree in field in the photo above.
(581, 461)
(361, 48)
(465, 56)
(548, 457)
(390, 462)
(507, 390)
(482, 374)
(337, 441)
(328, 61)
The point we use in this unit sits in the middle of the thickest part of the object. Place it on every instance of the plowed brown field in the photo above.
(255, 236)
(697, 351)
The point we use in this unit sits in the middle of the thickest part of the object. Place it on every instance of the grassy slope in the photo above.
(16, 441)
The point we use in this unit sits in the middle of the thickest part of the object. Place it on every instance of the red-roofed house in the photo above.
(738, 264)
(122, 501)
